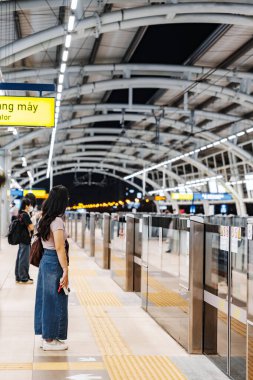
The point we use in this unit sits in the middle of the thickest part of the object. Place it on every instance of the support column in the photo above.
(51, 177)
(144, 184)
(5, 164)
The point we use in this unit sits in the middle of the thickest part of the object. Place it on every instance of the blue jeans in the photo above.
(51, 307)
(22, 263)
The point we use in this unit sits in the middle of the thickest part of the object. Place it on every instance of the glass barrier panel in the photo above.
(216, 294)
(118, 250)
(166, 301)
(99, 239)
(239, 303)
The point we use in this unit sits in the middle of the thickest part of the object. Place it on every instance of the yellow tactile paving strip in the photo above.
(236, 326)
(164, 297)
(118, 358)
(142, 367)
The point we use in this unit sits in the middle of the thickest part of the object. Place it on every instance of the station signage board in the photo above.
(212, 197)
(27, 111)
(39, 193)
(160, 198)
(16, 193)
(182, 196)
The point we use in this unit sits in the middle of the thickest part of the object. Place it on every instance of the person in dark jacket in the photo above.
(23, 256)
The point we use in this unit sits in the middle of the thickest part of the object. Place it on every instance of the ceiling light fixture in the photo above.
(65, 54)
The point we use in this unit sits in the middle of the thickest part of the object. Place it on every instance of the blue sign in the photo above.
(16, 193)
(212, 197)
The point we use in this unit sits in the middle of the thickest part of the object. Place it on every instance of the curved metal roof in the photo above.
(194, 109)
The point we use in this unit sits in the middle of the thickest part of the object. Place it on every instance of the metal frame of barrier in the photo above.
(249, 365)
(83, 219)
(92, 234)
(122, 257)
(102, 241)
(196, 275)
(76, 220)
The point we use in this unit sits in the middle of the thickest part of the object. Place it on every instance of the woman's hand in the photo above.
(65, 279)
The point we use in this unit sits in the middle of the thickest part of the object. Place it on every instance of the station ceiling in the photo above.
(146, 81)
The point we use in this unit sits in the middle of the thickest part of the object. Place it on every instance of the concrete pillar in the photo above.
(5, 164)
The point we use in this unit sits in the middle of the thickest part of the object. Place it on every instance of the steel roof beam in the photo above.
(119, 169)
(220, 13)
(105, 154)
(121, 69)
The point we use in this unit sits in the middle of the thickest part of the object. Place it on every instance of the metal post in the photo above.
(249, 355)
(71, 226)
(106, 240)
(83, 230)
(92, 234)
(51, 177)
(196, 299)
(5, 163)
(144, 184)
(76, 220)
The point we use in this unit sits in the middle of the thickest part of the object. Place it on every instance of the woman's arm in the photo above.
(59, 242)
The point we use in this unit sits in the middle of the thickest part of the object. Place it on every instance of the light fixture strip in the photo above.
(63, 66)
(215, 143)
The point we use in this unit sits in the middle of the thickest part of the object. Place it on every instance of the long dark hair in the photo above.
(54, 206)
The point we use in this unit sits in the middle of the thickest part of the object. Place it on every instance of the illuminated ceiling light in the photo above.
(57, 103)
(203, 148)
(209, 146)
(240, 134)
(61, 78)
(58, 96)
(63, 68)
(232, 137)
(216, 143)
(59, 88)
(73, 5)
(65, 55)
(71, 23)
(68, 40)
(249, 130)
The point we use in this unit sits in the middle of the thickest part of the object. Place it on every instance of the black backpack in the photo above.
(18, 232)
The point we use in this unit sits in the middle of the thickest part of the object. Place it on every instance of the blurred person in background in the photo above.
(23, 256)
(13, 211)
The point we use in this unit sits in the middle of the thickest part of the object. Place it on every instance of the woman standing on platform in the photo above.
(51, 306)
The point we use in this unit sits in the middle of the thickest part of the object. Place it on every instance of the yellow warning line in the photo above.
(52, 366)
(66, 366)
(142, 367)
(16, 366)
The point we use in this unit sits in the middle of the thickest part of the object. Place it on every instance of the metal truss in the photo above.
(41, 175)
(189, 12)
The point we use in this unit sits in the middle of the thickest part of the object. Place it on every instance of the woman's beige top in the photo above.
(57, 224)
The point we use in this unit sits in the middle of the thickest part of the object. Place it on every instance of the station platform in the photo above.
(110, 335)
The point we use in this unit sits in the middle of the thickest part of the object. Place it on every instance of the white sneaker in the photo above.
(55, 345)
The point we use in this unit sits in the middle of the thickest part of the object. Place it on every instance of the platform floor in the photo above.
(110, 335)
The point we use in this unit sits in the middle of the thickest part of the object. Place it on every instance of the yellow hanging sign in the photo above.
(21, 111)
(39, 193)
